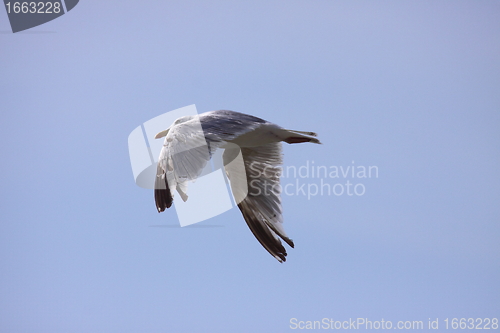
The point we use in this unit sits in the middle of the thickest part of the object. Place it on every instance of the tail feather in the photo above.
(298, 139)
(291, 136)
(305, 133)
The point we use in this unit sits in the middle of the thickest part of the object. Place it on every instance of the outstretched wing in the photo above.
(261, 208)
(184, 154)
(188, 147)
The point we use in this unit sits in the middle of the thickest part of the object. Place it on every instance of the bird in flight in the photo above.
(252, 160)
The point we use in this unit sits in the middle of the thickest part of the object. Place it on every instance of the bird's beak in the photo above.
(162, 134)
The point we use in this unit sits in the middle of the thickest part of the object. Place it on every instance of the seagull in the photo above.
(252, 160)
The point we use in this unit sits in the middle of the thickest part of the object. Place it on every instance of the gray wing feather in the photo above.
(261, 208)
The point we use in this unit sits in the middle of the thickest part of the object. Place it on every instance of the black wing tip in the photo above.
(264, 235)
(163, 197)
(280, 256)
(161, 208)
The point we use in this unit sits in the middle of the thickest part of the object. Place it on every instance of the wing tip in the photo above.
(281, 260)
(264, 234)
(163, 196)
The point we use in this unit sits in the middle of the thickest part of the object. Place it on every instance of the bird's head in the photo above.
(183, 119)
(176, 122)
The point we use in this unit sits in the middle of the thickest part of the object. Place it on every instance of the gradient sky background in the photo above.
(412, 87)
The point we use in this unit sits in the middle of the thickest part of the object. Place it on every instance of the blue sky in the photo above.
(410, 87)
